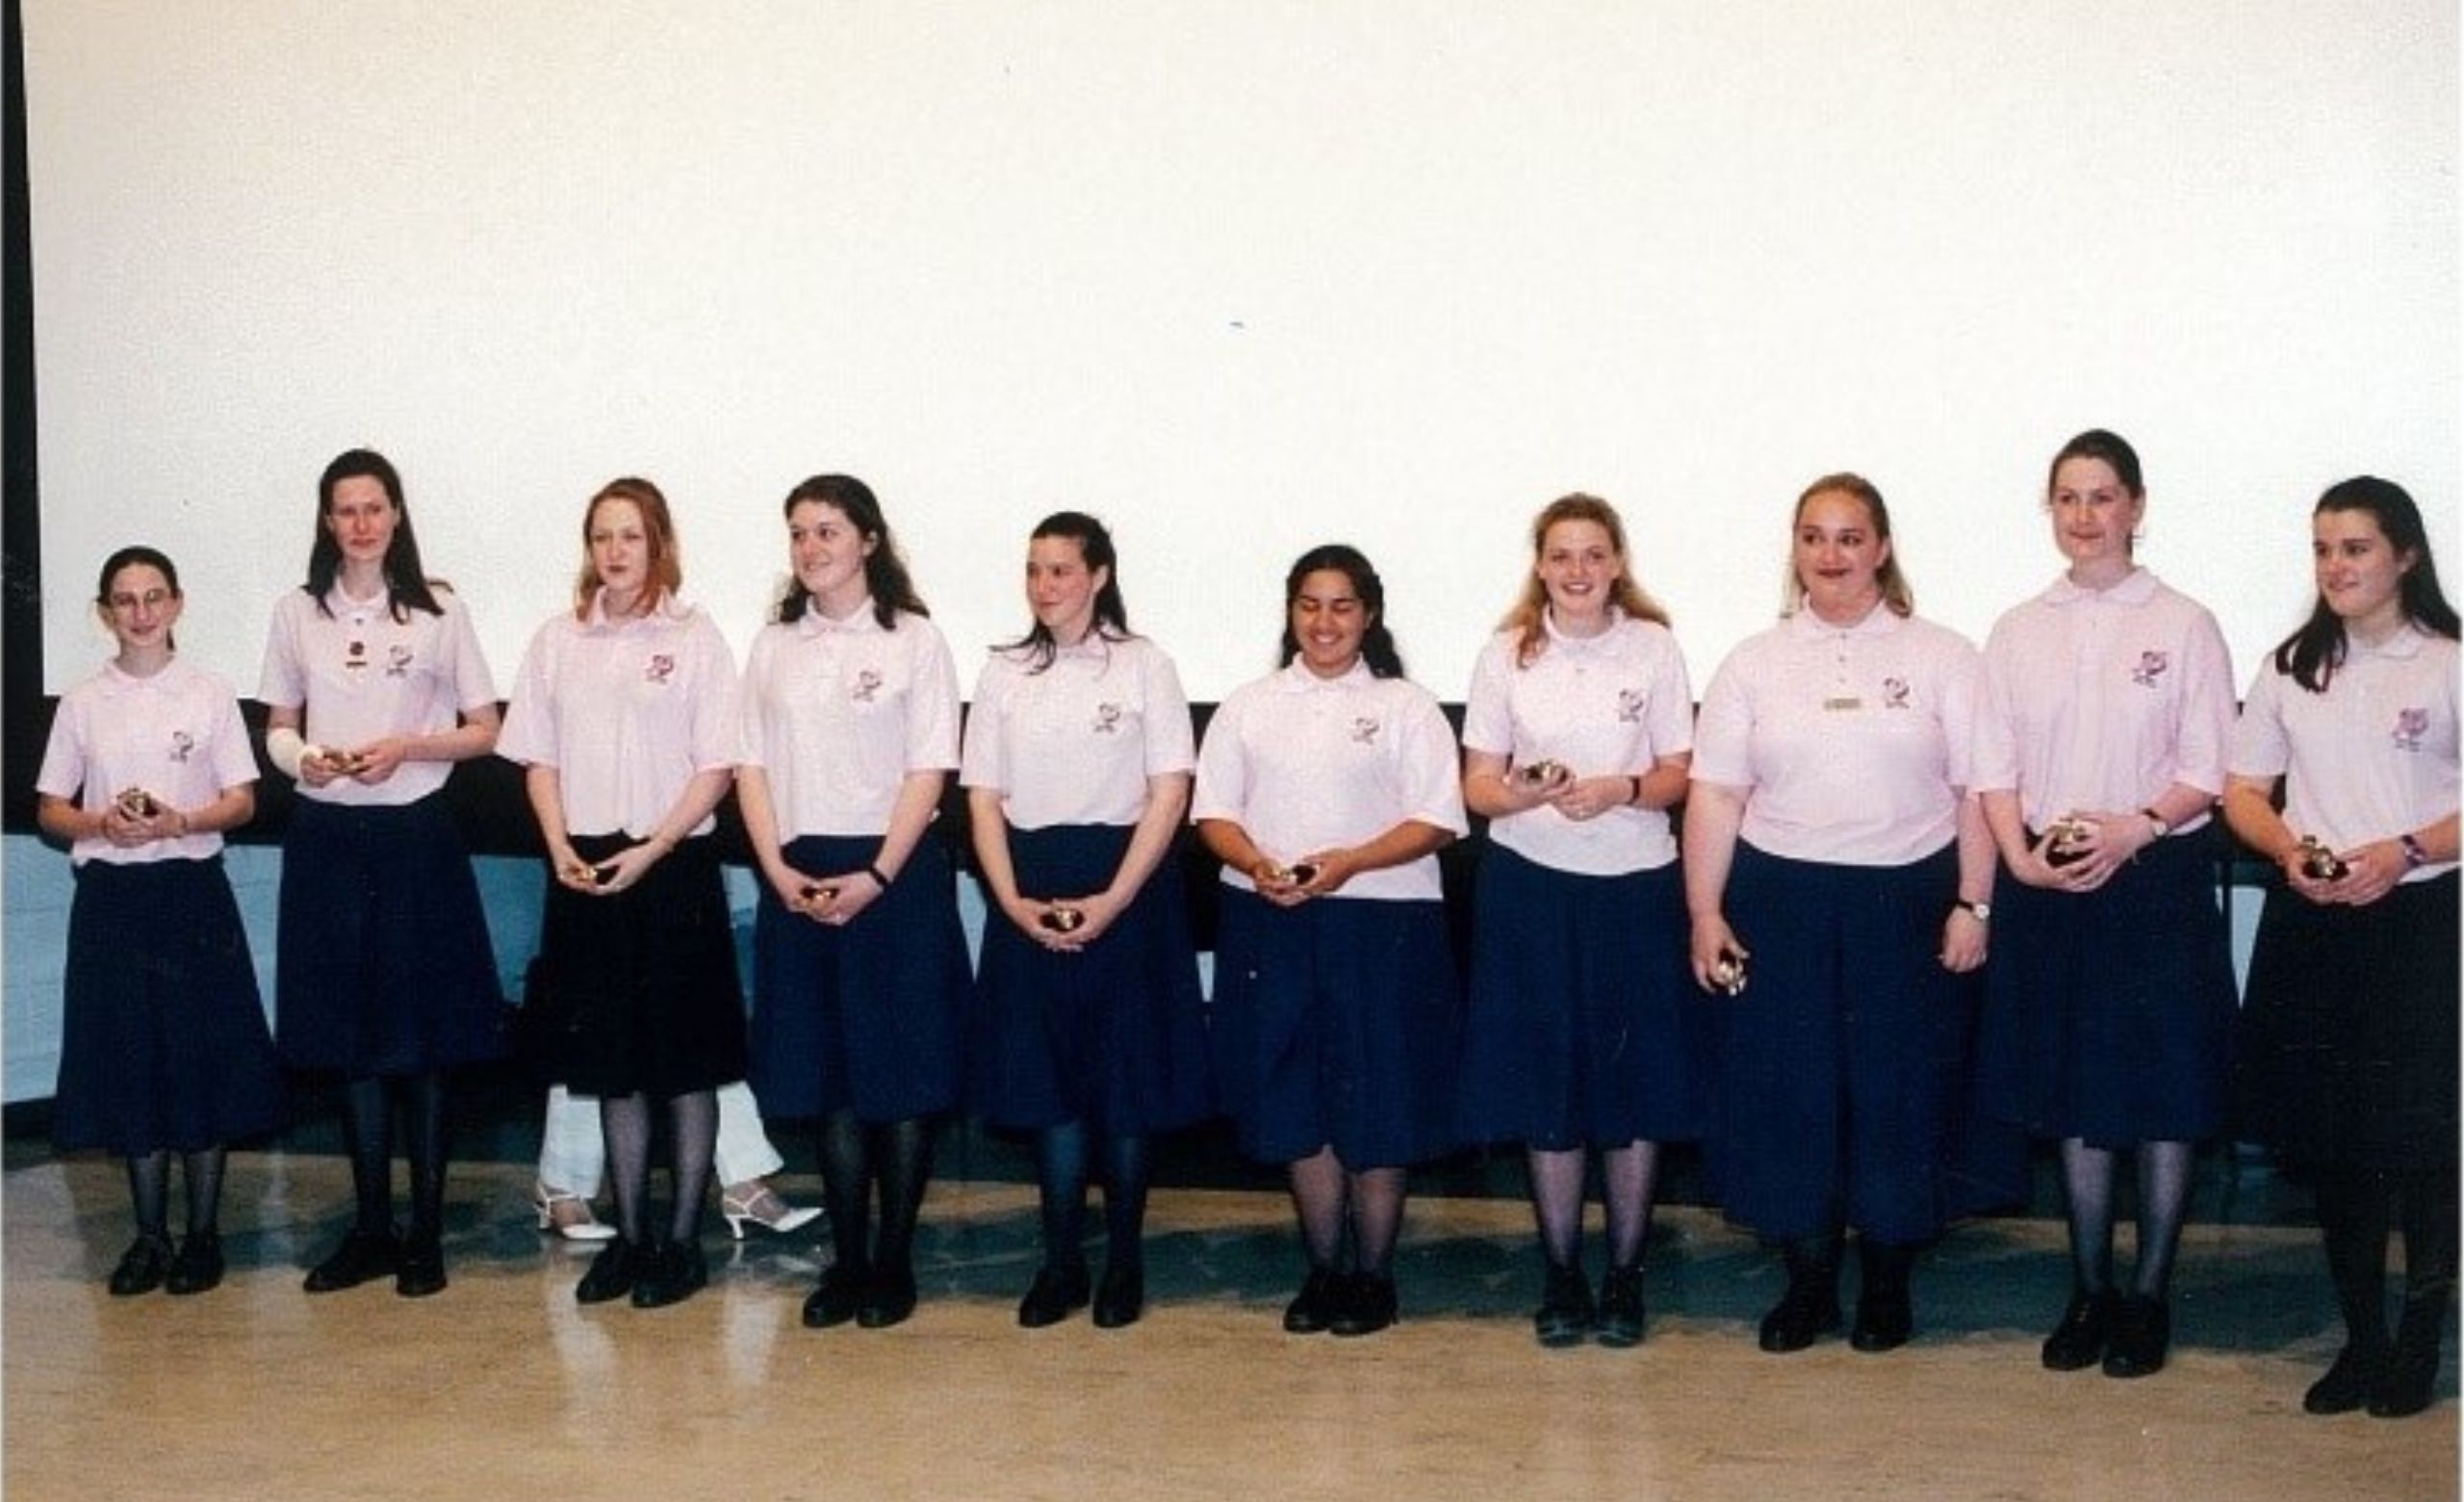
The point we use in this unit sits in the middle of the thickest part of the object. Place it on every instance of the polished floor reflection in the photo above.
(502, 1385)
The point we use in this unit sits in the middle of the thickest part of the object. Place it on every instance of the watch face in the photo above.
(1982, 910)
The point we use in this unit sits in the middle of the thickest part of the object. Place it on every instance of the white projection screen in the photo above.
(1238, 277)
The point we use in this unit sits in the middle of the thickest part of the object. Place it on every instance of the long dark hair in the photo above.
(142, 557)
(2311, 655)
(1377, 642)
(1095, 550)
(406, 583)
(886, 574)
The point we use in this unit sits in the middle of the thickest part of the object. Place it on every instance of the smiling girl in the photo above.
(2349, 1036)
(847, 733)
(1326, 789)
(163, 1044)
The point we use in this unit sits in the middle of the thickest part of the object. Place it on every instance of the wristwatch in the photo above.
(2157, 821)
(1982, 912)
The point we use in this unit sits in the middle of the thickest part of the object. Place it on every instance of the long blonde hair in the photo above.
(1530, 611)
(1896, 594)
(659, 529)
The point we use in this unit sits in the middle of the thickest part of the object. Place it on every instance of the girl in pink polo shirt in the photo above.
(1585, 1030)
(374, 688)
(1837, 878)
(2349, 1035)
(619, 716)
(847, 733)
(1326, 789)
(1091, 1022)
(163, 1042)
(2108, 1006)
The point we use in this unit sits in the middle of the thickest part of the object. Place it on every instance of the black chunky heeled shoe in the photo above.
(612, 1273)
(1810, 1308)
(1565, 1315)
(363, 1257)
(835, 1301)
(2078, 1342)
(143, 1268)
(2347, 1384)
(1621, 1307)
(2143, 1334)
(1121, 1297)
(1055, 1294)
(1312, 1308)
(199, 1266)
(676, 1272)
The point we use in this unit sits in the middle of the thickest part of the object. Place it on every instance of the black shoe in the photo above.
(2404, 1383)
(1053, 1296)
(143, 1268)
(421, 1271)
(612, 1273)
(1885, 1315)
(2143, 1331)
(1121, 1297)
(834, 1302)
(1621, 1307)
(677, 1271)
(2078, 1342)
(1365, 1307)
(1565, 1313)
(1314, 1308)
(1810, 1308)
(364, 1255)
(199, 1266)
(2348, 1382)
(889, 1297)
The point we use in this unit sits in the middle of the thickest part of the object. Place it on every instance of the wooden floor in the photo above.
(503, 1385)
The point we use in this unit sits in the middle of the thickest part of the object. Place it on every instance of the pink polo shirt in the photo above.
(1609, 705)
(2102, 698)
(1076, 743)
(836, 713)
(361, 675)
(2372, 757)
(176, 733)
(1305, 763)
(627, 711)
(1850, 744)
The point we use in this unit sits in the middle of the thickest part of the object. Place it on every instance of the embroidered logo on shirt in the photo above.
(1364, 729)
(357, 656)
(868, 686)
(1894, 692)
(2151, 667)
(398, 661)
(1629, 706)
(182, 743)
(2411, 725)
(1107, 719)
(659, 668)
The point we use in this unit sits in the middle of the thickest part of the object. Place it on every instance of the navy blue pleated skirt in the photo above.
(382, 962)
(641, 986)
(863, 1018)
(162, 1033)
(1841, 1061)
(1585, 1028)
(2108, 1014)
(1114, 1035)
(1336, 1023)
(2348, 1039)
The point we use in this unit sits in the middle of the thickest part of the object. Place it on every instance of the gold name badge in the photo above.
(1843, 702)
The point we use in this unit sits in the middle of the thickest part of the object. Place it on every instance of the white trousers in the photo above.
(573, 1155)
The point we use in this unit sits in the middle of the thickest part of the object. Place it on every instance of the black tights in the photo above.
(1331, 1198)
(856, 1155)
(2164, 1198)
(1061, 1159)
(693, 1124)
(150, 1186)
(1627, 1175)
(2356, 1209)
(368, 1123)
